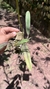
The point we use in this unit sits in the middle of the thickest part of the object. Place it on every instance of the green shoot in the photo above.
(20, 41)
(17, 10)
(27, 22)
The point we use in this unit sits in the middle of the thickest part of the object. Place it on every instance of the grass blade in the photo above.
(27, 22)
(27, 57)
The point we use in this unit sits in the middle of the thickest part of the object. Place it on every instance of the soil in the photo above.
(12, 73)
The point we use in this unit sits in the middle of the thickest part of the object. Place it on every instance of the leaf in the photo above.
(19, 36)
(44, 0)
(27, 22)
(27, 57)
(2, 45)
(20, 42)
(28, 60)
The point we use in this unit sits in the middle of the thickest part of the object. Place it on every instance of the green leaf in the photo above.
(27, 58)
(20, 42)
(27, 22)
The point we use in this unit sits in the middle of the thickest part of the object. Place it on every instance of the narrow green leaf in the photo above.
(20, 42)
(28, 60)
(27, 57)
(27, 22)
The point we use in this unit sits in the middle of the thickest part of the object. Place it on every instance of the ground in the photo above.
(12, 74)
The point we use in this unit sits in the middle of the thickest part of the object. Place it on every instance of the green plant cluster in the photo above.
(37, 7)
(7, 6)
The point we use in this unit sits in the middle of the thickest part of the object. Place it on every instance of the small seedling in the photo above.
(21, 42)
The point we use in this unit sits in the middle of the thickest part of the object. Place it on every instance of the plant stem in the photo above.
(17, 10)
